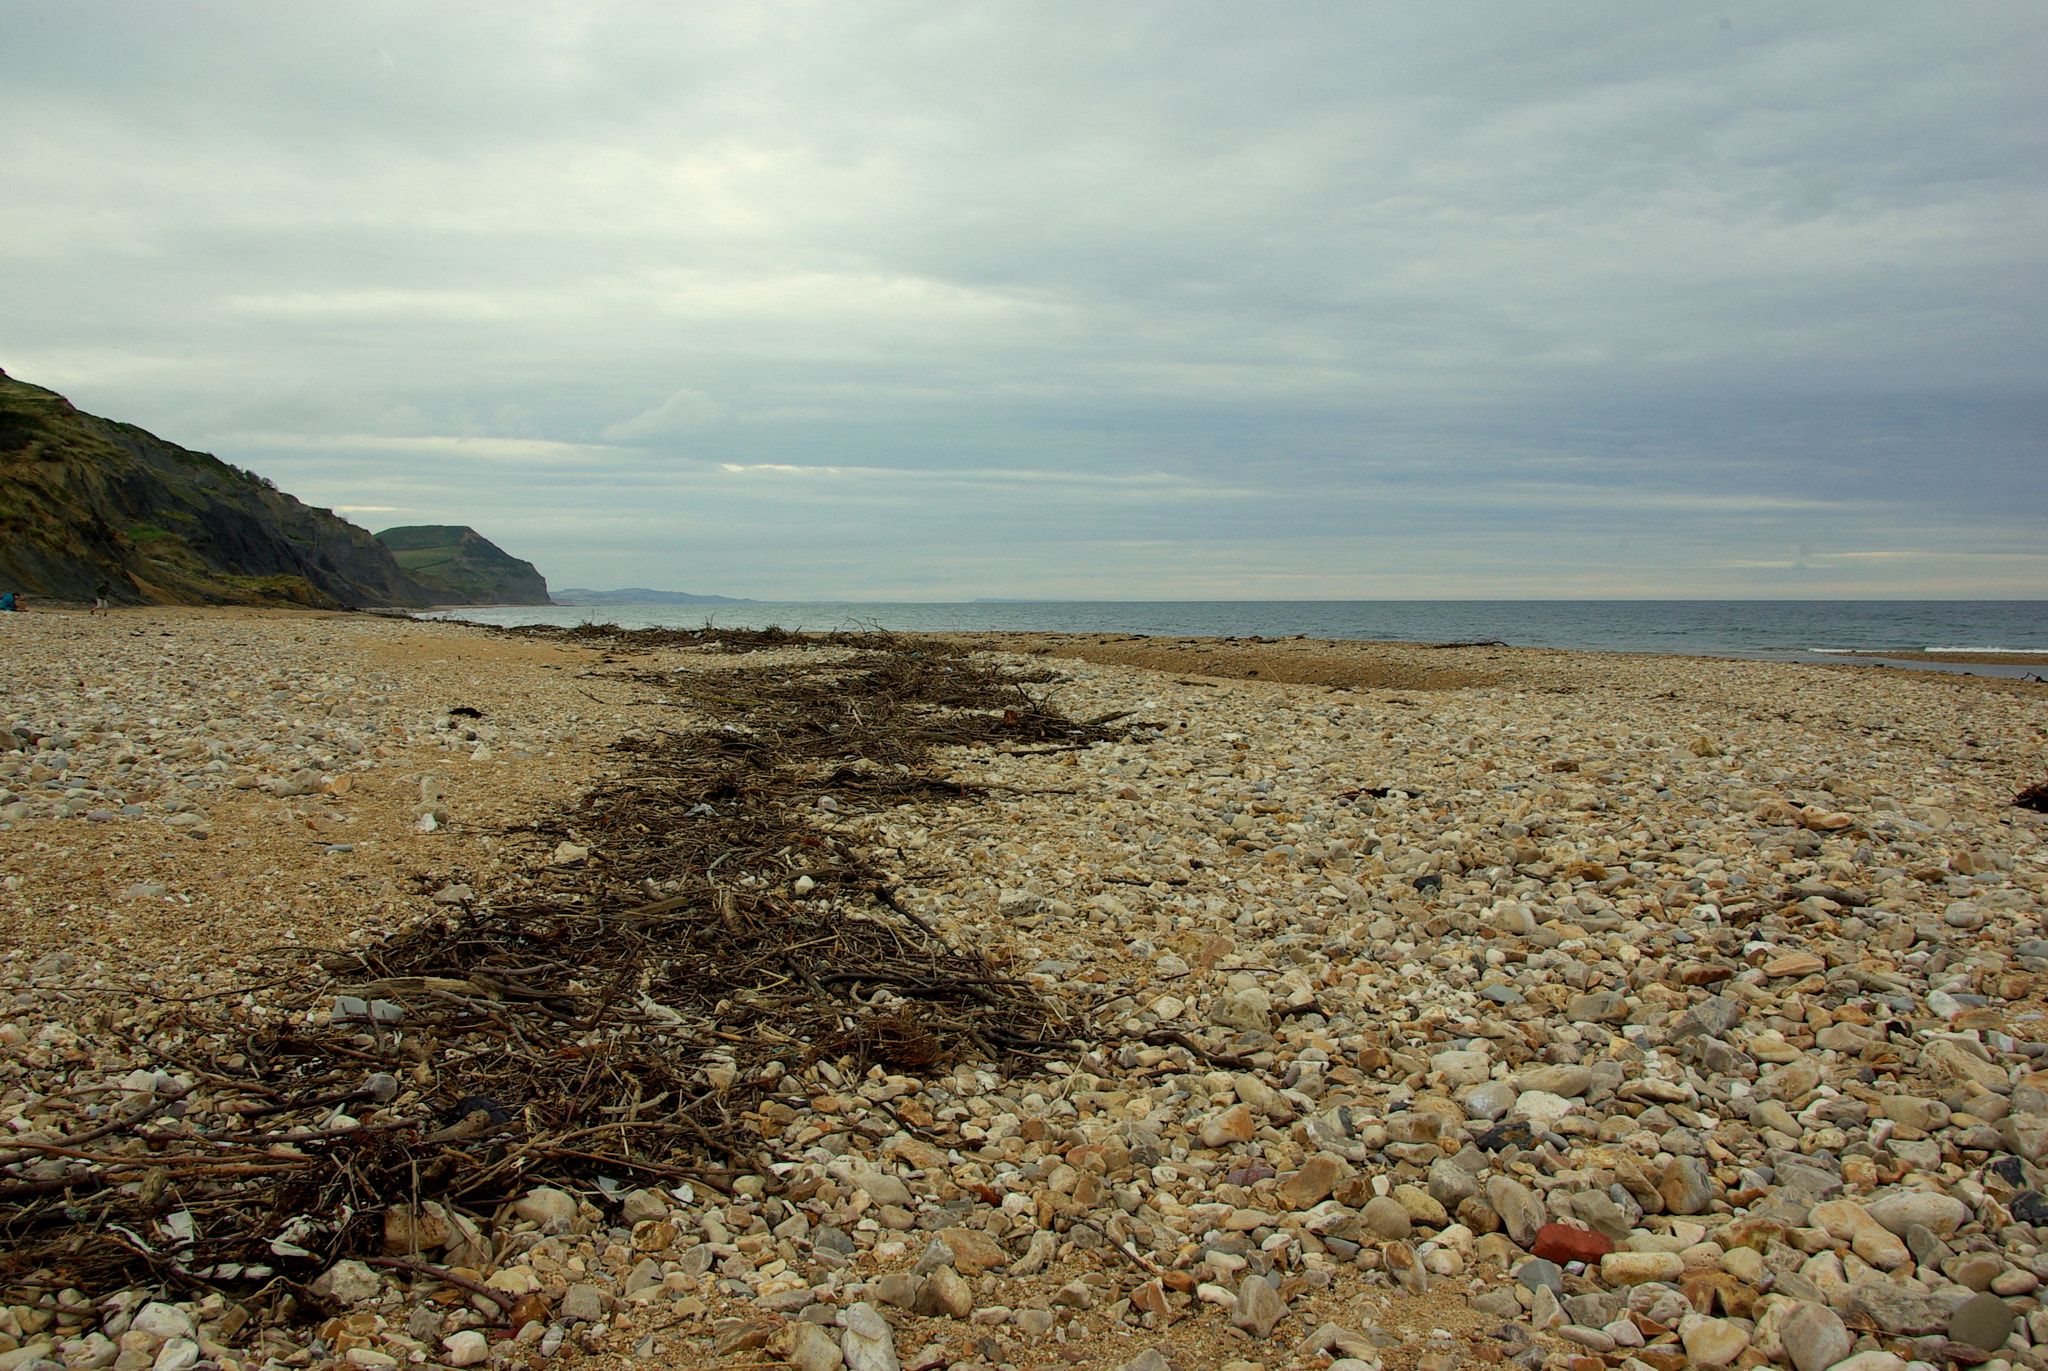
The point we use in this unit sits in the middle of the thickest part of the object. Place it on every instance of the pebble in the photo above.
(868, 1344)
(1712, 1342)
(466, 1348)
(1984, 1321)
(1258, 1307)
(1636, 1268)
(1814, 1337)
(1902, 1209)
(1385, 1218)
(1594, 957)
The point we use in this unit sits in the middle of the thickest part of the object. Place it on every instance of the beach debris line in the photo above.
(689, 941)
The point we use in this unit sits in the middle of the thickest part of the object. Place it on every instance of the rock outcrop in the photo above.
(463, 567)
(87, 502)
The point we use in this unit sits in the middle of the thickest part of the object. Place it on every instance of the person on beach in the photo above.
(7, 605)
(99, 597)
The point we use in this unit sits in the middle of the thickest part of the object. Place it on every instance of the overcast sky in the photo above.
(1141, 300)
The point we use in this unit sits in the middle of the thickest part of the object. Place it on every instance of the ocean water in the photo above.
(1785, 630)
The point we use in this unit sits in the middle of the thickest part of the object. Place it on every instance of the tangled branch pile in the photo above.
(693, 933)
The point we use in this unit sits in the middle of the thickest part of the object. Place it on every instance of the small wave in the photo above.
(1834, 651)
(2016, 651)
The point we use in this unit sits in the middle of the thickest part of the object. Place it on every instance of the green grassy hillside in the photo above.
(87, 502)
(464, 564)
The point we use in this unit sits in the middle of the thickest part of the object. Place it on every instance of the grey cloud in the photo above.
(1145, 299)
(682, 412)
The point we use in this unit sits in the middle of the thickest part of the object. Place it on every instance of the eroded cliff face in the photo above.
(463, 567)
(87, 502)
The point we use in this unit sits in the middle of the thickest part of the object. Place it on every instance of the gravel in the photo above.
(1735, 968)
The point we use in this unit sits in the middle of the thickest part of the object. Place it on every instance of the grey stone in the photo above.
(1151, 1359)
(1537, 1272)
(583, 1302)
(1333, 1132)
(1983, 1321)
(1794, 1286)
(867, 1342)
(1599, 1212)
(899, 1288)
(1386, 1218)
(1450, 1184)
(1927, 1250)
(936, 1254)
(1258, 1307)
(1799, 1184)
(1596, 1310)
(1036, 1323)
(642, 1205)
(1710, 1018)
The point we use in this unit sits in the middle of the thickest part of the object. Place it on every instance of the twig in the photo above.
(157, 1106)
(506, 1303)
(1123, 1250)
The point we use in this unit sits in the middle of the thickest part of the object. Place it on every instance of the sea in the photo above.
(1816, 631)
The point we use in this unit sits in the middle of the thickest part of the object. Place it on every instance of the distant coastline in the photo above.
(575, 596)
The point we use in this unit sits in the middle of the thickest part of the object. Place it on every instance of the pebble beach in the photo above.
(1445, 1007)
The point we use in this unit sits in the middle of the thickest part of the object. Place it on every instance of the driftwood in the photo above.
(623, 1016)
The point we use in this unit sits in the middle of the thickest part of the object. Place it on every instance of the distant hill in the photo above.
(466, 567)
(640, 595)
(86, 502)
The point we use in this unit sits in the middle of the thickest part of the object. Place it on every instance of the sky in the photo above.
(1174, 300)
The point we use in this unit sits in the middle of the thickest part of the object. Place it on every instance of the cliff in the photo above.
(463, 567)
(86, 501)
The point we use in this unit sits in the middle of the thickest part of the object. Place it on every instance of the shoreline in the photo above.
(1400, 890)
(2015, 662)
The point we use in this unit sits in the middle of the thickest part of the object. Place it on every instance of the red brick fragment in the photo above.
(1560, 1243)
